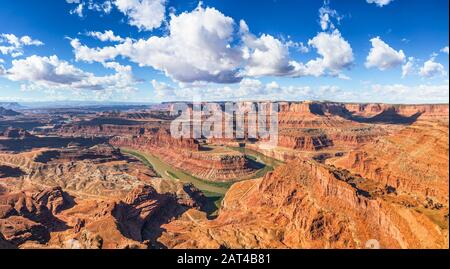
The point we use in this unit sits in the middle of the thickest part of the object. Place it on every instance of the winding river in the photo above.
(215, 191)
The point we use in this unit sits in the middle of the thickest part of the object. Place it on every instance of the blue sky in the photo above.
(162, 50)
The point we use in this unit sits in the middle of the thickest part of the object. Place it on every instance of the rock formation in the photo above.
(352, 173)
(8, 112)
(413, 160)
(87, 198)
(304, 205)
(186, 154)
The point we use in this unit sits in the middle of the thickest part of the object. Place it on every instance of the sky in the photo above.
(390, 51)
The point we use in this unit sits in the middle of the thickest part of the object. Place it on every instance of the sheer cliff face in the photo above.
(391, 187)
(185, 154)
(304, 205)
(413, 160)
(383, 176)
(425, 111)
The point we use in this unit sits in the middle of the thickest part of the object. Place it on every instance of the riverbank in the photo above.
(214, 191)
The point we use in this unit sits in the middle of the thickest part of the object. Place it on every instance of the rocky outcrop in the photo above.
(18, 230)
(21, 141)
(101, 153)
(50, 219)
(131, 222)
(101, 170)
(310, 126)
(156, 139)
(98, 130)
(15, 133)
(187, 155)
(432, 111)
(413, 160)
(8, 112)
(303, 205)
(305, 141)
(28, 216)
(5, 244)
(54, 199)
(370, 112)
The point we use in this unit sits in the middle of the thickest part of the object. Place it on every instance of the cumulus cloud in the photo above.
(382, 56)
(380, 3)
(336, 54)
(265, 55)
(197, 48)
(105, 36)
(144, 14)
(206, 45)
(408, 67)
(431, 69)
(12, 45)
(268, 56)
(445, 50)
(53, 73)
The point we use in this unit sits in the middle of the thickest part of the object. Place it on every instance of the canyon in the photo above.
(341, 175)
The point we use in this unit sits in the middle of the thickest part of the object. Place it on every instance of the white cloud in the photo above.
(326, 14)
(408, 67)
(204, 45)
(144, 14)
(382, 56)
(105, 7)
(336, 54)
(431, 69)
(251, 89)
(106, 36)
(197, 48)
(344, 77)
(380, 3)
(53, 73)
(12, 45)
(400, 93)
(299, 46)
(163, 90)
(78, 10)
(83, 53)
(265, 55)
(445, 50)
(273, 85)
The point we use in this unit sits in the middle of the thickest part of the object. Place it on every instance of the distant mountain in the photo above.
(11, 105)
(8, 112)
(82, 104)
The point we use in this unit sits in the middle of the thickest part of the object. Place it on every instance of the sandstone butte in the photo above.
(352, 173)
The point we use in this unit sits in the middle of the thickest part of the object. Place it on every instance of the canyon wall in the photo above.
(303, 205)
(413, 160)
(187, 155)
